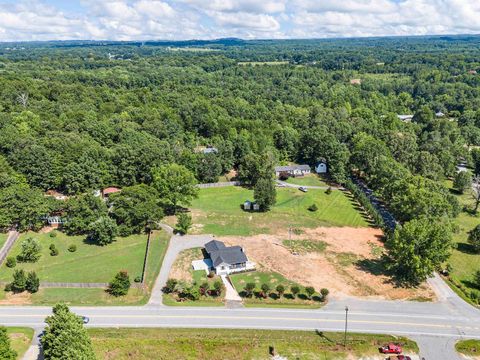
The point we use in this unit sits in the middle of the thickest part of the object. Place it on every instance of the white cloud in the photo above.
(186, 19)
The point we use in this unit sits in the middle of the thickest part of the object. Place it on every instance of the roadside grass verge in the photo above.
(464, 262)
(92, 264)
(20, 338)
(468, 347)
(219, 344)
(273, 299)
(218, 211)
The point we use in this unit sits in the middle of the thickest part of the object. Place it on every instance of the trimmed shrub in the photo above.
(310, 290)
(51, 247)
(328, 191)
(313, 207)
(11, 262)
(54, 252)
(138, 279)
(53, 234)
(72, 248)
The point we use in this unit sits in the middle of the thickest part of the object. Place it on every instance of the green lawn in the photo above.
(465, 263)
(20, 338)
(468, 347)
(307, 180)
(91, 263)
(218, 211)
(273, 300)
(219, 344)
(3, 238)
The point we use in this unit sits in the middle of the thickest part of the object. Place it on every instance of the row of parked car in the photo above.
(394, 349)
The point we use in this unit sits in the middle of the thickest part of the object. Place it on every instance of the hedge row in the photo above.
(365, 203)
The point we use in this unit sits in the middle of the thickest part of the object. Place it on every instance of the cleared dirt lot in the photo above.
(348, 266)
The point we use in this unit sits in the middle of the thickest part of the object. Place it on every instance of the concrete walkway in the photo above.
(231, 293)
(176, 245)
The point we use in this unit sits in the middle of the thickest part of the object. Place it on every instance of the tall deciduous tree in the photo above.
(264, 193)
(175, 184)
(30, 250)
(81, 212)
(462, 181)
(135, 207)
(418, 247)
(103, 231)
(474, 238)
(65, 337)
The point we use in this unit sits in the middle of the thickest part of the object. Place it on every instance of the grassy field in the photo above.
(3, 238)
(468, 347)
(218, 211)
(464, 261)
(193, 278)
(305, 246)
(307, 180)
(219, 344)
(91, 263)
(20, 339)
(273, 300)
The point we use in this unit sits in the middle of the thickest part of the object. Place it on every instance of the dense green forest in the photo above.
(80, 116)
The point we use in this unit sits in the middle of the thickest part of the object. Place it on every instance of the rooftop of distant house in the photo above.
(292, 167)
(111, 190)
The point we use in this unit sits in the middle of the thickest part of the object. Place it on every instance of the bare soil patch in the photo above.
(181, 269)
(23, 298)
(340, 268)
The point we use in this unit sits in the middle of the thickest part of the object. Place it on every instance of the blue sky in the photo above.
(206, 19)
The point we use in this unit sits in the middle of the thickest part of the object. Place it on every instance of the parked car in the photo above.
(85, 319)
(399, 357)
(391, 349)
(303, 188)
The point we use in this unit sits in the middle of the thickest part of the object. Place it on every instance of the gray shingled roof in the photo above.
(292, 168)
(229, 255)
(213, 246)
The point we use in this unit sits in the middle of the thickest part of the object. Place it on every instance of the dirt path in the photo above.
(347, 267)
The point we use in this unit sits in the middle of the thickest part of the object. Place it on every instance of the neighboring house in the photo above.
(227, 260)
(57, 195)
(109, 191)
(406, 118)
(321, 167)
(292, 170)
(439, 114)
(210, 150)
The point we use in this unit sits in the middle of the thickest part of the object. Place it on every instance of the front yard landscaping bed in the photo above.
(469, 348)
(191, 282)
(272, 297)
(220, 344)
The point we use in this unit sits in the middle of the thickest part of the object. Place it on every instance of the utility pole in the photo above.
(346, 324)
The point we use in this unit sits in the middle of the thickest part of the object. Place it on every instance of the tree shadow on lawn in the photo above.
(379, 267)
(467, 249)
(357, 207)
(323, 336)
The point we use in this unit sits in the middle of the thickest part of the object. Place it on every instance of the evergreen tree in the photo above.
(474, 238)
(120, 284)
(33, 283)
(6, 352)
(19, 282)
(65, 338)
